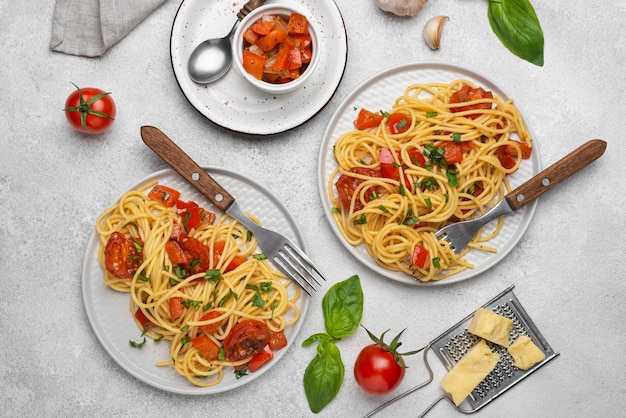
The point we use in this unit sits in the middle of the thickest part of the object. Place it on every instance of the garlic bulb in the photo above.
(401, 7)
(432, 31)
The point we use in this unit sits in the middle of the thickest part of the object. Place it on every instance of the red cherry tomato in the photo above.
(122, 256)
(90, 110)
(376, 371)
(245, 339)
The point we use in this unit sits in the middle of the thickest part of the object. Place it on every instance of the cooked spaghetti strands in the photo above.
(238, 285)
(448, 162)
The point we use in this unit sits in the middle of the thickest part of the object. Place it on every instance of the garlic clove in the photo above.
(401, 7)
(432, 31)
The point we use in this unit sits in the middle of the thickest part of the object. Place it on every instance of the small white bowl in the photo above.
(238, 45)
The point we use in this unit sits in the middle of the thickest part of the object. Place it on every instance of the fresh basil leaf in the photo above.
(320, 336)
(323, 376)
(516, 25)
(343, 307)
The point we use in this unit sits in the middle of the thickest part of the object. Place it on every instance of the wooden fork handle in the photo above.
(556, 173)
(182, 163)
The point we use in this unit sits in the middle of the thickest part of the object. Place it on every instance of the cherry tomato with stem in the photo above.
(90, 110)
(379, 367)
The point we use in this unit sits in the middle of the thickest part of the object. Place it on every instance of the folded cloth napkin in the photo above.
(90, 27)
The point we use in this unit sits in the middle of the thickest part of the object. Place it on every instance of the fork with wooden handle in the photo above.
(284, 254)
(459, 234)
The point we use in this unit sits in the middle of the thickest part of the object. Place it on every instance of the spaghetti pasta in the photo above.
(441, 154)
(192, 298)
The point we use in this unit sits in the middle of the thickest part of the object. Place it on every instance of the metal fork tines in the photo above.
(459, 234)
(284, 254)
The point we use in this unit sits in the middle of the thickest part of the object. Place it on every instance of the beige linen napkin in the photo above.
(90, 27)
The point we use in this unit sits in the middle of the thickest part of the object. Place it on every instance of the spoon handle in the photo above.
(248, 7)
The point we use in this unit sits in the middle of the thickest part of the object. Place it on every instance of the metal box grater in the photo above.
(450, 347)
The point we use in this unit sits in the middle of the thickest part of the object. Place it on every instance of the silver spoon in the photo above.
(213, 57)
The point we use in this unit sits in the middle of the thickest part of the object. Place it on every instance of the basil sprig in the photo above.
(342, 306)
(516, 25)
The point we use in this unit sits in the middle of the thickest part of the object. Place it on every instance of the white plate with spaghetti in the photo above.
(380, 92)
(109, 314)
(232, 102)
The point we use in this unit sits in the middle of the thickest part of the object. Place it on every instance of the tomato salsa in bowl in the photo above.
(275, 48)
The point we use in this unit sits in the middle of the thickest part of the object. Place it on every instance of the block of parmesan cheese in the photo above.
(525, 353)
(491, 326)
(473, 367)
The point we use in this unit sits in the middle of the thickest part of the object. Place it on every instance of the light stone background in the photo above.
(568, 268)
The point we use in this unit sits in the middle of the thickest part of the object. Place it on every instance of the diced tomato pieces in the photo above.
(176, 308)
(274, 37)
(399, 123)
(235, 262)
(206, 347)
(263, 27)
(193, 215)
(254, 64)
(193, 219)
(143, 319)
(165, 195)
(218, 249)
(306, 55)
(250, 36)
(259, 359)
(282, 57)
(197, 254)
(388, 167)
(278, 340)
(297, 24)
(454, 150)
(507, 161)
(467, 94)
(510, 150)
(294, 59)
(420, 256)
(175, 252)
(303, 40)
(210, 328)
(346, 186)
(417, 158)
(477, 188)
(366, 119)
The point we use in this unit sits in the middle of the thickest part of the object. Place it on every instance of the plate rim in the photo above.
(281, 128)
(187, 388)
(526, 212)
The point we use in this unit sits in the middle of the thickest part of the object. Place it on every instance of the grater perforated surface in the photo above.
(457, 341)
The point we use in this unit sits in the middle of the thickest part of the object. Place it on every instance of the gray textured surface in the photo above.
(568, 268)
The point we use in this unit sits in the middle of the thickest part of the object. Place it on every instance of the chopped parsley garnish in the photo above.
(213, 275)
(452, 179)
(137, 344)
(241, 373)
(190, 303)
